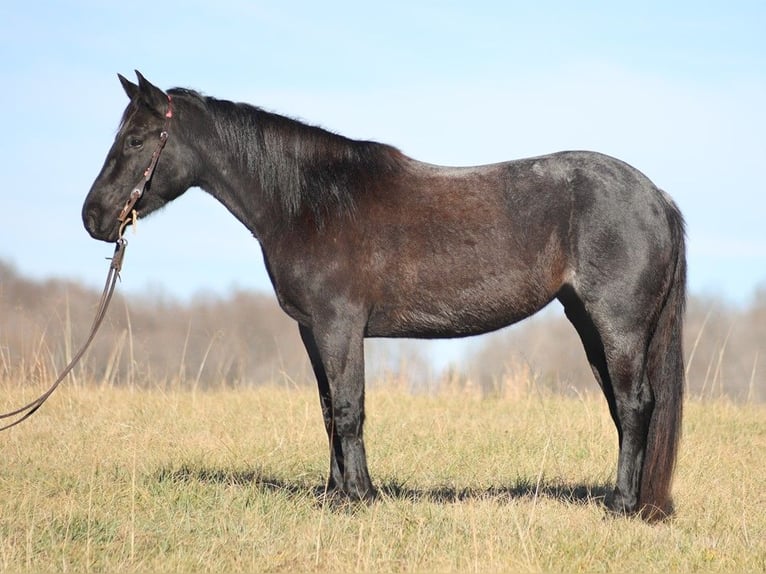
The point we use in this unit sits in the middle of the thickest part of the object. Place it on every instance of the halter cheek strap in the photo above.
(128, 213)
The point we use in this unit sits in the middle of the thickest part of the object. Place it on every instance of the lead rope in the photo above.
(111, 280)
(127, 215)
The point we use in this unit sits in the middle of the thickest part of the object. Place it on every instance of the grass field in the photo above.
(107, 479)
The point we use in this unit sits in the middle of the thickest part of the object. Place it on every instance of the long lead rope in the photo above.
(127, 215)
(23, 413)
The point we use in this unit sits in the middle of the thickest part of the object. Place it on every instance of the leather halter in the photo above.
(138, 190)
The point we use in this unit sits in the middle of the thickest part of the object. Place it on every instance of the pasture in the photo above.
(173, 479)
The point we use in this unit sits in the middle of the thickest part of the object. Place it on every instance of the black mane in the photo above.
(302, 169)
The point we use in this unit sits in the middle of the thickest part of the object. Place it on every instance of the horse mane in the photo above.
(302, 169)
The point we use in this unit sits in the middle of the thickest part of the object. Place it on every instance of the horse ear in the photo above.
(151, 94)
(130, 88)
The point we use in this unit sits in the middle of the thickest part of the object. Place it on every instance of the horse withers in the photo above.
(360, 240)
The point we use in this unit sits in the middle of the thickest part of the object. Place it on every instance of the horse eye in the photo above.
(135, 142)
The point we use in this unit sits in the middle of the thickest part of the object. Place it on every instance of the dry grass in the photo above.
(173, 480)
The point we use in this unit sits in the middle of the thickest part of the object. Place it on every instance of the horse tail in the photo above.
(665, 371)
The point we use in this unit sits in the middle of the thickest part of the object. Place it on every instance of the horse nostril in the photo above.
(90, 219)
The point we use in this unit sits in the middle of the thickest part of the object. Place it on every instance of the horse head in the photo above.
(146, 167)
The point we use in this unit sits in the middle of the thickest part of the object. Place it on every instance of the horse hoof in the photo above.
(339, 497)
(620, 505)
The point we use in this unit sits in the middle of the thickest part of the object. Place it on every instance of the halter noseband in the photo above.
(140, 187)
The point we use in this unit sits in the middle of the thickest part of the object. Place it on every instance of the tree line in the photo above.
(243, 338)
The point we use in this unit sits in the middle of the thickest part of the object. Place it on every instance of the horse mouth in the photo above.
(100, 227)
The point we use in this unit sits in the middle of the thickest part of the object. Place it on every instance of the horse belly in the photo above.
(446, 309)
(459, 287)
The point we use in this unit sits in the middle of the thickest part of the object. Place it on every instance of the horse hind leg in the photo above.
(634, 404)
(618, 359)
(594, 347)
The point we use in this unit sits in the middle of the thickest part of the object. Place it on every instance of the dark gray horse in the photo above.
(363, 241)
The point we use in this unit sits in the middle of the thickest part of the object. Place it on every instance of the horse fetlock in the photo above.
(361, 492)
(622, 504)
(350, 490)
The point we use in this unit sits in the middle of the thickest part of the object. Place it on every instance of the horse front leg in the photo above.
(337, 356)
(335, 480)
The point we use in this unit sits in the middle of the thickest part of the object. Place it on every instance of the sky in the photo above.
(676, 89)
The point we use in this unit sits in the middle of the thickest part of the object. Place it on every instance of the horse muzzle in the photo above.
(100, 224)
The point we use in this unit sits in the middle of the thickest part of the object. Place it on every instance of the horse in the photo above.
(359, 240)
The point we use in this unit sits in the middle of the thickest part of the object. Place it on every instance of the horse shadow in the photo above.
(520, 489)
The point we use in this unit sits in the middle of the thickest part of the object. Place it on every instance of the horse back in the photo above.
(441, 252)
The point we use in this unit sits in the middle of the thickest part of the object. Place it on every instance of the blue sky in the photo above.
(677, 89)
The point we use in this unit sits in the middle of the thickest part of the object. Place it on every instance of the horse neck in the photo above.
(272, 172)
(227, 169)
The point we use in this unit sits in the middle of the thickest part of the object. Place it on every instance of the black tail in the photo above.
(665, 371)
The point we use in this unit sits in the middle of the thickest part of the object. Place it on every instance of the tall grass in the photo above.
(137, 473)
(178, 480)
